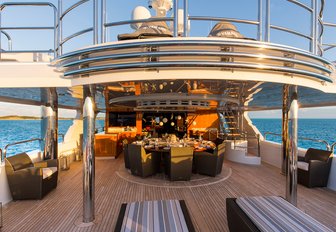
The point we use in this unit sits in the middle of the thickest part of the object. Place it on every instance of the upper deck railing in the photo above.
(3, 29)
(101, 27)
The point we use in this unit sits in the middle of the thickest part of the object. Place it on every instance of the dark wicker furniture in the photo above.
(179, 163)
(25, 178)
(318, 164)
(210, 163)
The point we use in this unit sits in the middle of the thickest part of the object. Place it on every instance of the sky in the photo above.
(284, 14)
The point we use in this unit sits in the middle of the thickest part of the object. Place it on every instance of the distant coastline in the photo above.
(17, 117)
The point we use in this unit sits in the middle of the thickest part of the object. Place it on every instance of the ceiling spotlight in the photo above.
(161, 123)
(172, 123)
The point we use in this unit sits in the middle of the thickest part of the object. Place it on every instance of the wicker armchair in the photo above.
(210, 163)
(142, 164)
(314, 168)
(28, 180)
(179, 163)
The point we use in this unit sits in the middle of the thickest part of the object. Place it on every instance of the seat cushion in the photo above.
(48, 171)
(303, 165)
(274, 213)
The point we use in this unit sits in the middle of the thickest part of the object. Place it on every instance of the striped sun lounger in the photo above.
(161, 216)
(274, 213)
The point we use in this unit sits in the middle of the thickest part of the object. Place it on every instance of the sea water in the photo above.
(17, 130)
(318, 129)
(12, 131)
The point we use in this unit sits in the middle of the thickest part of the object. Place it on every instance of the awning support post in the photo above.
(88, 155)
(49, 123)
(290, 139)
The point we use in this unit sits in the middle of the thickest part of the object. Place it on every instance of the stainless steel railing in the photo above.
(16, 143)
(250, 137)
(263, 21)
(333, 147)
(62, 14)
(31, 4)
(9, 39)
(328, 147)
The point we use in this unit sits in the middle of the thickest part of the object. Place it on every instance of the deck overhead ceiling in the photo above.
(256, 95)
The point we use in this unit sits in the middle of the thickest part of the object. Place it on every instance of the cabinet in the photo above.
(106, 145)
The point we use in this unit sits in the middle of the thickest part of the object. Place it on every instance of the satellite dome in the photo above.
(139, 12)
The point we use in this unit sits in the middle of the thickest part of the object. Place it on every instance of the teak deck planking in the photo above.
(61, 208)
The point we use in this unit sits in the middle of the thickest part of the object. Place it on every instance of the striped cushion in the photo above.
(276, 214)
(164, 215)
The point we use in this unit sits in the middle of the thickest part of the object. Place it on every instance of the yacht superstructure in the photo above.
(203, 83)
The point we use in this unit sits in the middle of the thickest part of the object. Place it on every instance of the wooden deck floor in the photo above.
(60, 209)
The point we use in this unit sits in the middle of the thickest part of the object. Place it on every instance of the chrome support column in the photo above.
(314, 22)
(88, 156)
(60, 32)
(103, 21)
(95, 21)
(175, 18)
(49, 123)
(291, 178)
(260, 18)
(268, 21)
(185, 18)
(285, 140)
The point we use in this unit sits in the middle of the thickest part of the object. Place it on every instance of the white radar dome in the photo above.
(139, 12)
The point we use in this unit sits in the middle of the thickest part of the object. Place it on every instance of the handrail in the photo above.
(16, 143)
(124, 22)
(75, 35)
(72, 7)
(8, 38)
(291, 31)
(303, 138)
(246, 137)
(54, 27)
(301, 5)
(333, 146)
(209, 18)
(94, 28)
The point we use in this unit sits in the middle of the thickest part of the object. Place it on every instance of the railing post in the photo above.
(313, 43)
(258, 138)
(103, 21)
(260, 18)
(268, 21)
(60, 33)
(185, 18)
(95, 21)
(175, 18)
